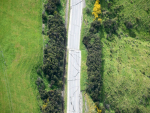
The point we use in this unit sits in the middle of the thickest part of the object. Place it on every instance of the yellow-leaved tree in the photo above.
(98, 110)
(97, 10)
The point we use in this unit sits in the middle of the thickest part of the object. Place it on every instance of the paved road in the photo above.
(75, 24)
(74, 63)
(74, 81)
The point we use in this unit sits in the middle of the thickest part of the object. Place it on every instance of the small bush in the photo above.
(51, 6)
(88, 11)
(93, 30)
(53, 102)
(129, 25)
(110, 26)
(40, 84)
(96, 25)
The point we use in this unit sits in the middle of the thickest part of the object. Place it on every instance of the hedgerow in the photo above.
(53, 60)
(94, 60)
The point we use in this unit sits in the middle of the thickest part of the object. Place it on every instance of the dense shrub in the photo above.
(53, 103)
(110, 26)
(54, 52)
(41, 88)
(51, 6)
(94, 68)
(94, 62)
(57, 30)
(129, 25)
(53, 60)
(96, 25)
(53, 63)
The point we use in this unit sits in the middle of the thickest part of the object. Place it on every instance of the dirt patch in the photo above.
(66, 16)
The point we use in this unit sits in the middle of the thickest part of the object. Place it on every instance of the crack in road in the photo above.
(78, 71)
(71, 99)
(72, 104)
(74, 65)
(74, 87)
(77, 74)
(74, 80)
(74, 58)
(76, 3)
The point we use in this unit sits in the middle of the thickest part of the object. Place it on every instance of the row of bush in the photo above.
(53, 60)
(94, 60)
(52, 99)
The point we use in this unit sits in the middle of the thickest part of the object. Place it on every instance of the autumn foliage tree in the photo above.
(97, 10)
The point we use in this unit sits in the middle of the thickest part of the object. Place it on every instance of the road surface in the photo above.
(74, 62)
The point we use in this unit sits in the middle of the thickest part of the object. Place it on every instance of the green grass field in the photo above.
(126, 80)
(21, 51)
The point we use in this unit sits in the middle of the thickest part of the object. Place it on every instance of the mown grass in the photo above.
(21, 47)
(126, 81)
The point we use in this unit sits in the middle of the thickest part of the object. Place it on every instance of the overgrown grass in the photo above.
(21, 52)
(62, 9)
(126, 70)
(126, 80)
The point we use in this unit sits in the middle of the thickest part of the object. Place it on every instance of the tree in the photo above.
(97, 10)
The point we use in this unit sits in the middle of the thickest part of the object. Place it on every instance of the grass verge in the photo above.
(67, 56)
(88, 104)
(62, 9)
(66, 89)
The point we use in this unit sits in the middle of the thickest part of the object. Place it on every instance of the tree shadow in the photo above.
(132, 33)
(59, 7)
(102, 78)
(102, 67)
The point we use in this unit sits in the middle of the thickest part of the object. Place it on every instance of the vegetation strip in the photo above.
(94, 60)
(54, 60)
